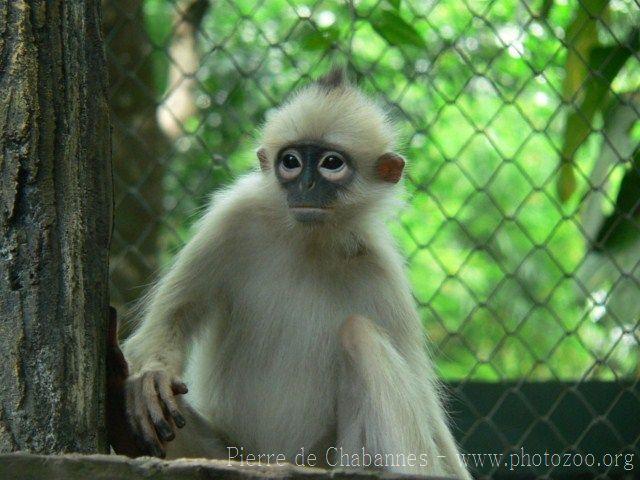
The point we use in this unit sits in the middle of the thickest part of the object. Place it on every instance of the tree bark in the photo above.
(139, 146)
(55, 222)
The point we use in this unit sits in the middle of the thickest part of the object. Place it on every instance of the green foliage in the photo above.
(582, 37)
(499, 266)
(589, 71)
(396, 31)
(395, 4)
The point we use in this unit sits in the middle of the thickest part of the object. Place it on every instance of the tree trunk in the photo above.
(179, 104)
(55, 221)
(139, 146)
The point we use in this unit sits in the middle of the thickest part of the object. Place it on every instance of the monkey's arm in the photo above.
(198, 439)
(173, 314)
(388, 403)
(156, 351)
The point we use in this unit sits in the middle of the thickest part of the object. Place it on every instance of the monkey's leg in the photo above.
(389, 408)
(198, 438)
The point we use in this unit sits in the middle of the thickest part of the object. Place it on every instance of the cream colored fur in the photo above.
(342, 116)
(253, 313)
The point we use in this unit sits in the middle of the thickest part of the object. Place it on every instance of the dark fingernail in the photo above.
(158, 452)
(165, 431)
(179, 419)
(179, 388)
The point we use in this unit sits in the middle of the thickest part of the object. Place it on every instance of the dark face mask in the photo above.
(312, 176)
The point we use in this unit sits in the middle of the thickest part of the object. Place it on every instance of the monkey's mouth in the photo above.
(308, 214)
(309, 209)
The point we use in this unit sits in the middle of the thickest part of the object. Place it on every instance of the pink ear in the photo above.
(263, 159)
(389, 167)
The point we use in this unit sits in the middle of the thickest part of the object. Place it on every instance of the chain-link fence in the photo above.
(520, 120)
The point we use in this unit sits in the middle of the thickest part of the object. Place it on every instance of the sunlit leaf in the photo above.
(546, 7)
(621, 229)
(320, 39)
(618, 122)
(396, 31)
(395, 4)
(604, 64)
(582, 36)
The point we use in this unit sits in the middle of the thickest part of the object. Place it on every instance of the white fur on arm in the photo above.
(391, 407)
(174, 310)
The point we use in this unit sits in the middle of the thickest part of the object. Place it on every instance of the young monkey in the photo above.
(289, 314)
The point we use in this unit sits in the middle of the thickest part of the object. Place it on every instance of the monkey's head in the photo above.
(330, 151)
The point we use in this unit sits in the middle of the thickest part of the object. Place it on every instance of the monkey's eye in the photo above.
(332, 162)
(332, 166)
(290, 164)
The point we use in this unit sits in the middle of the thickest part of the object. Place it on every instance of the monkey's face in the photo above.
(313, 175)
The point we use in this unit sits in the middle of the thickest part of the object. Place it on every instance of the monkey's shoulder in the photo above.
(237, 210)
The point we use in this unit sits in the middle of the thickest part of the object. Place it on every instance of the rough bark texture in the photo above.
(115, 467)
(139, 146)
(55, 219)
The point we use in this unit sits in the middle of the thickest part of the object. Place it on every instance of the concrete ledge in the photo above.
(26, 466)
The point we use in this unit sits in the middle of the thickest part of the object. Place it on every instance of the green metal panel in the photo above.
(589, 422)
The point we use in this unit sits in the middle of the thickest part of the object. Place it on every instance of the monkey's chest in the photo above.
(283, 391)
(282, 347)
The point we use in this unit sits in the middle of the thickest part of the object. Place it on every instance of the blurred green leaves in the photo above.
(503, 274)
(590, 69)
(620, 228)
(581, 37)
(395, 4)
(394, 29)
(320, 39)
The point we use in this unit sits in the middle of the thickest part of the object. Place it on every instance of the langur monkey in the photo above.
(289, 314)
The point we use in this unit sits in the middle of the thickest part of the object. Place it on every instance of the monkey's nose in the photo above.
(308, 185)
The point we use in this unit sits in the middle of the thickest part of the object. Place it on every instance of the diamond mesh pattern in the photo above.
(520, 123)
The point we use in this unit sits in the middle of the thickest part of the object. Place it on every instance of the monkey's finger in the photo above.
(132, 419)
(163, 429)
(141, 444)
(150, 439)
(146, 432)
(130, 405)
(166, 395)
(178, 387)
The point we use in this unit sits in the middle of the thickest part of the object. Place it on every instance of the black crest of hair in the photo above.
(336, 78)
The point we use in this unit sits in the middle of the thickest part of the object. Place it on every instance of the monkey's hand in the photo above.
(119, 434)
(152, 410)
(134, 426)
